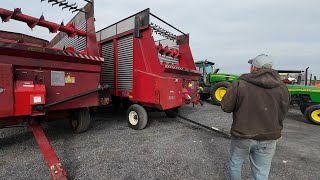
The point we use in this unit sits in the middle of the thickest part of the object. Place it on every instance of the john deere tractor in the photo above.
(213, 83)
(307, 97)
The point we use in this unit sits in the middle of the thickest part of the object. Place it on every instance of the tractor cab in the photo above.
(206, 68)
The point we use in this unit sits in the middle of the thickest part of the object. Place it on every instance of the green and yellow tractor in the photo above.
(214, 84)
(307, 97)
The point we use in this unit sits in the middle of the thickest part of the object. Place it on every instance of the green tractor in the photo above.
(307, 97)
(214, 85)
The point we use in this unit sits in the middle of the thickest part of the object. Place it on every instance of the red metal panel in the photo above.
(146, 88)
(171, 93)
(92, 44)
(6, 90)
(156, 84)
(72, 83)
(26, 94)
(50, 64)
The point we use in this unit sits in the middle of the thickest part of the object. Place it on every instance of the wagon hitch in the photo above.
(221, 132)
(56, 169)
(189, 100)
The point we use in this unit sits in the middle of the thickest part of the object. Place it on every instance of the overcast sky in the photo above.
(228, 32)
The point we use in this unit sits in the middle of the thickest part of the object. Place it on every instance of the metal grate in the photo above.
(125, 62)
(78, 43)
(108, 65)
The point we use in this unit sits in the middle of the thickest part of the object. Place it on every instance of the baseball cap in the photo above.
(261, 61)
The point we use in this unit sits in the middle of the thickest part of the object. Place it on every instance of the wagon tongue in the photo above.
(170, 68)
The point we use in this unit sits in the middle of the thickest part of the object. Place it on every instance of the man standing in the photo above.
(259, 102)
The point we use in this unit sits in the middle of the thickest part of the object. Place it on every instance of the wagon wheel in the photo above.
(137, 117)
(312, 113)
(80, 122)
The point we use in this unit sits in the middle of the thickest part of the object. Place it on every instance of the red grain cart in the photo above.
(147, 74)
(42, 81)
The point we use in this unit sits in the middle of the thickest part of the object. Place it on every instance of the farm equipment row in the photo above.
(80, 69)
(305, 96)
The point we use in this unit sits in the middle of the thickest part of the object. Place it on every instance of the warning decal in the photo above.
(70, 79)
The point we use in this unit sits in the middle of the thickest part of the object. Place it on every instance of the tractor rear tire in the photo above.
(204, 96)
(218, 91)
(81, 120)
(137, 117)
(171, 112)
(313, 114)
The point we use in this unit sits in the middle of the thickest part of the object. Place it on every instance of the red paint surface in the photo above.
(6, 97)
(153, 84)
(24, 93)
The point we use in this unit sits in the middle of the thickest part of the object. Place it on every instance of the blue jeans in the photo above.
(260, 154)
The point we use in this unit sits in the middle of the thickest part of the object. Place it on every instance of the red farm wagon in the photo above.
(134, 62)
(147, 74)
(42, 81)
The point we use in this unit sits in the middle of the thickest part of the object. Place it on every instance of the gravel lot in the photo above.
(166, 149)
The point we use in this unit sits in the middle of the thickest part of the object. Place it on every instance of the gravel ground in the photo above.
(166, 149)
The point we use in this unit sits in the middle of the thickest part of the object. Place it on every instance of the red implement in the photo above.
(42, 81)
(56, 170)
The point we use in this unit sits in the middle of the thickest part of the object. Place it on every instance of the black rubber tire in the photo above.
(309, 111)
(81, 120)
(214, 89)
(204, 96)
(141, 117)
(170, 114)
(93, 112)
(303, 108)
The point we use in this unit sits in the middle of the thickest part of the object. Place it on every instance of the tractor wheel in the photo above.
(137, 117)
(170, 114)
(313, 114)
(204, 96)
(81, 120)
(218, 91)
(303, 108)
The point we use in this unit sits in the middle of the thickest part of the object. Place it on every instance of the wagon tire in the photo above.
(218, 91)
(81, 120)
(137, 117)
(313, 114)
